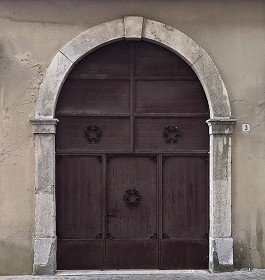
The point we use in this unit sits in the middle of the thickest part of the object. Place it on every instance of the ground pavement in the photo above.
(145, 275)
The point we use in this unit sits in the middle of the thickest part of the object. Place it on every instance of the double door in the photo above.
(132, 211)
(132, 162)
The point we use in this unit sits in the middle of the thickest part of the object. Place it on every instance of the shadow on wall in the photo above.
(244, 250)
(242, 255)
(259, 234)
(15, 258)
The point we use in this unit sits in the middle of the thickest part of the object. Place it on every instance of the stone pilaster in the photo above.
(45, 213)
(220, 241)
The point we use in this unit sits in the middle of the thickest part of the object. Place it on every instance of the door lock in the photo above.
(109, 215)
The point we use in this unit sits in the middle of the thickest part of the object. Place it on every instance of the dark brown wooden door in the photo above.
(184, 213)
(131, 212)
(132, 162)
(79, 212)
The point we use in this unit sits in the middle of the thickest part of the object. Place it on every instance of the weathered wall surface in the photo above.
(32, 32)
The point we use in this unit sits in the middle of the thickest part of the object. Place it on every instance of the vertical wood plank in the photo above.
(160, 205)
(104, 233)
(132, 88)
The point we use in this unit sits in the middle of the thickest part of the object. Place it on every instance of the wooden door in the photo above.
(131, 212)
(79, 212)
(184, 241)
(132, 162)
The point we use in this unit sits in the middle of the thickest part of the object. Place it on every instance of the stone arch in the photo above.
(220, 130)
(133, 28)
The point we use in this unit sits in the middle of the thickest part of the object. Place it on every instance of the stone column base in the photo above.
(44, 256)
(220, 254)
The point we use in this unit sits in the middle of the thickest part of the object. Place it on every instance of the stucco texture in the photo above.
(32, 32)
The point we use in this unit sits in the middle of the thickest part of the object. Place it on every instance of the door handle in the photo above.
(109, 215)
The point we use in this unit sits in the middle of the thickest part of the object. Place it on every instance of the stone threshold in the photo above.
(128, 272)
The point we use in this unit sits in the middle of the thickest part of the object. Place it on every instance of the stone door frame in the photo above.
(220, 130)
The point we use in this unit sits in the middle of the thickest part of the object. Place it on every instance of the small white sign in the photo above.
(245, 127)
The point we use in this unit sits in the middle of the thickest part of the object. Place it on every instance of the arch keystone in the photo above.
(133, 27)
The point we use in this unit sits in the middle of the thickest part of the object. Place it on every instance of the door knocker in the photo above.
(171, 134)
(93, 134)
(132, 197)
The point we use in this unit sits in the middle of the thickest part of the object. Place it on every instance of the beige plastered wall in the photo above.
(32, 32)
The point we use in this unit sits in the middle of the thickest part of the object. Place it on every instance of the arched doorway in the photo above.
(132, 162)
(220, 130)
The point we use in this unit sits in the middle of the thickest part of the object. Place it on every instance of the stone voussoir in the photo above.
(173, 39)
(51, 85)
(96, 36)
(213, 86)
(133, 27)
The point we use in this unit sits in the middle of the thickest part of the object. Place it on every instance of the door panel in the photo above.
(94, 97)
(72, 137)
(130, 226)
(170, 97)
(108, 62)
(185, 213)
(153, 61)
(185, 197)
(79, 254)
(184, 254)
(127, 173)
(78, 194)
(193, 134)
(78, 208)
(132, 254)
